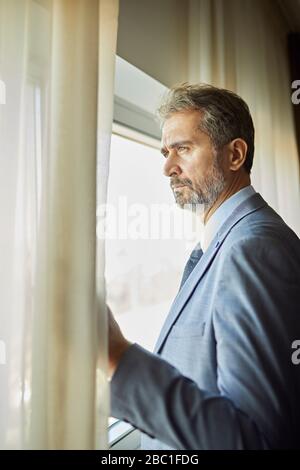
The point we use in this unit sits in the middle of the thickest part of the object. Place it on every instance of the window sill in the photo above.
(123, 436)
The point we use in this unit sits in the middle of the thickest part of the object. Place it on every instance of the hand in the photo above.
(118, 344)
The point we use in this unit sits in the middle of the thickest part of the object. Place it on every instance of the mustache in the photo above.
(178, 182)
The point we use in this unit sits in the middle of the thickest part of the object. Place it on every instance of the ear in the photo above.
(237, 154)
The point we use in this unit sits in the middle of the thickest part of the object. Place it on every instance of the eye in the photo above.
(182, 148)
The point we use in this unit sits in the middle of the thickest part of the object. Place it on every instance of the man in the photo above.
(221, 375)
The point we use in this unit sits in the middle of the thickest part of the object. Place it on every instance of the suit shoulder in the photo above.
(262, 228)
(263, 239)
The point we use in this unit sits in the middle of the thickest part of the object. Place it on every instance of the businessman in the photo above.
(221, 375)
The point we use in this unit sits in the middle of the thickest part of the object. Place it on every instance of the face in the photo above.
(192, 163)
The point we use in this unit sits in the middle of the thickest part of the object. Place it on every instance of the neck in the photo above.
(238, 183)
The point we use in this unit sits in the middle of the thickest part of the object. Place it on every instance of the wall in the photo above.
(153, 36)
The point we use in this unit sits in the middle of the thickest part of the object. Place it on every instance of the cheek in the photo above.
(201, 160)
(199, 170)
(197, 165)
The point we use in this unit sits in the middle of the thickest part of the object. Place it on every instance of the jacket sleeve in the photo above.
(253, 349)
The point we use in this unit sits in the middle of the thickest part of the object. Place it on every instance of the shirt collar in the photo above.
(222, 213)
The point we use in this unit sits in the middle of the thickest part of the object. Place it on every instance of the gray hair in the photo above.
(225, 115)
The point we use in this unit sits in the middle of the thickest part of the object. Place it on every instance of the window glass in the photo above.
(148, 240)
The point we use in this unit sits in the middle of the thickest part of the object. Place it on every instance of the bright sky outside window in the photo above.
(144, 267)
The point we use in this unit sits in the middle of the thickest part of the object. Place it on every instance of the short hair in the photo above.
(225, 115)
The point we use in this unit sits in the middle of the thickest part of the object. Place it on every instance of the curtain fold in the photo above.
(57, 62)
(241, 45)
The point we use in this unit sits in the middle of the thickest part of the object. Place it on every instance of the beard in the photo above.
(202, 194)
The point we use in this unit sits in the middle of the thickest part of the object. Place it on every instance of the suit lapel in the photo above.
(250, 205)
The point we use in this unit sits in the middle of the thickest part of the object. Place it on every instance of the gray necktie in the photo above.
(191, 263)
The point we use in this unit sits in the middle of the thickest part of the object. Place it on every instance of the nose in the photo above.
(171, 166)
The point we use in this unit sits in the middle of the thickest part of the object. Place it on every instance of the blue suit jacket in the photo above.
(221, 375)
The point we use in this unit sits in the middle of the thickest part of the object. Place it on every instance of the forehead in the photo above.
(181, 126)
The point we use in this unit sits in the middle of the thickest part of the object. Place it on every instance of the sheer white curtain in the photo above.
(56, 70)
(241, 45)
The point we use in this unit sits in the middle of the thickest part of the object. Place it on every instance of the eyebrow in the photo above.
(176, 145)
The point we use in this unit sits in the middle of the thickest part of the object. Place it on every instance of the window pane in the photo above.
(146, 247)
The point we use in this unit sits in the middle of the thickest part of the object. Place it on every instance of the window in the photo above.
(145, 251)
(146, 248)
(148, 240)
